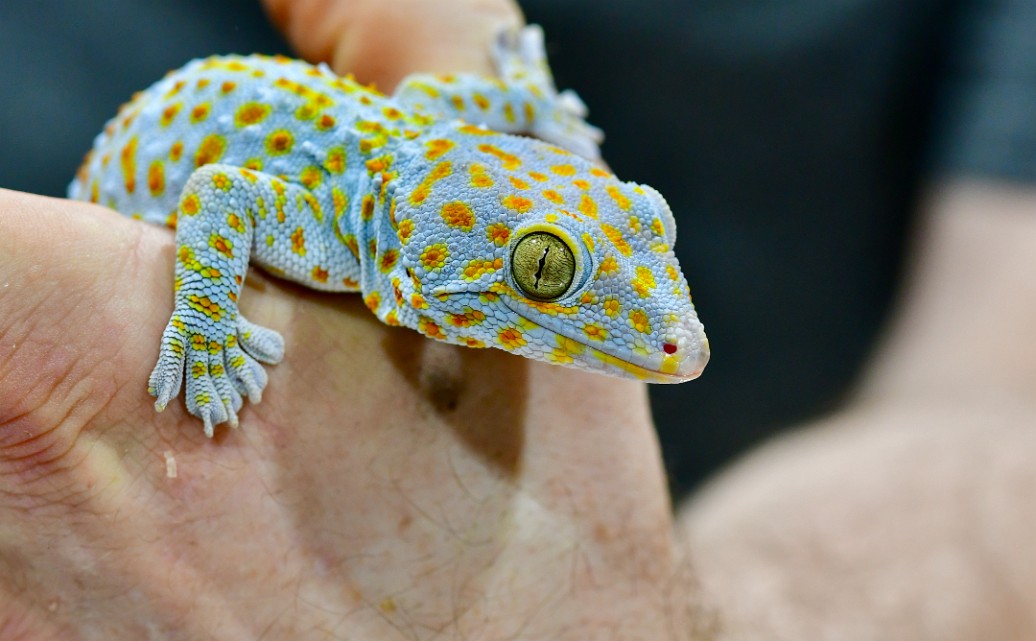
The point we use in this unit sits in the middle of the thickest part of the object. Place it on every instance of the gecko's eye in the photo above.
(543, 266)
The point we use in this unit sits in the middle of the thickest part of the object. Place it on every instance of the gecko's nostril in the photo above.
(669, 348)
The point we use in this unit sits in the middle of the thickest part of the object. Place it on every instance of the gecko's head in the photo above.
(522, 246)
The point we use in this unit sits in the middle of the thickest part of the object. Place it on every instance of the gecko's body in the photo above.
(465, 234)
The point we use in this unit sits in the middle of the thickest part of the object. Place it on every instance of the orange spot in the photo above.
(191, 205)
(298, 241)
(479, 177)
(643, 282)
(611, 306)
(227, 87)
(620, 199)
(389, 260)
(639, 321)
(128, 159)
(535, 175)
(156, 178)
(498, 234)
(335, 162)
(429, 328)
(595, 332)
(200, 112)
(434, 256)
(438, 147)
(311, 176)
(588, 206)
(210, 150)
(459, 215)
(517, 203)
(510, 161)
(467, 319)
(518, 183)
(421, 192)
(609, 266)
(372, 301)
(474, 130)
(600, 173)
(222, 245)
(481, 101)
(279, 142)
(367, 207)
(479, 267)
(326, 122)
(251, 113)
(564, 170)
(553, 196)
(406, 229)
(511, 338)
(617, 239)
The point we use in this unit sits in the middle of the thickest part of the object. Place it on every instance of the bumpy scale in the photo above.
(420, 201)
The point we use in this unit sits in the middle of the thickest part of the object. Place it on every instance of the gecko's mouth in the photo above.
(682, 360)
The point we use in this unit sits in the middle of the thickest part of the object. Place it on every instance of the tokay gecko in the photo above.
(423, 201)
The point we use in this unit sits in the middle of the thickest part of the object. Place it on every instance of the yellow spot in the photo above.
(417, 301)
(634, 224)
(643, 282)
(537, 176)
(553, 196)
(367, 207)
(620, 199)
(438, 147)
(210, 150)
(498, 234)
(588, 206)
(221, 181)
(311, 176)
(459, 215)
(510, 161)
(354, 246)
(392, 113)
(255, 164)
(600, 173)
(434, 256)
(517, 203)
(372, 301)
(475, 130)
(672, 272)
(589, 240)
(609, 266)
(169, 114)
(319, 275)
(639, 321)
(251, 113)
(481, 101)
(595, 332)
(564, 170)
(335, 162)
(227, 87)
(421, 192)
(511, 338)
(279, 142)
(156, 178)
(467, 319)
(298, 242)
(509, 112)
(429, 328)
(389, 260)
(206, 306)
(176, 151)
(611, 306)
(518, 183)
(235, 223)
(406, 229)
(200, 112)
(479, 267)
(222, 245)
(617, 239)
(325, 122)
(479, 177)
(191, 205)
(128, 159)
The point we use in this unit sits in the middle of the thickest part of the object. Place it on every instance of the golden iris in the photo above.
(543, 266)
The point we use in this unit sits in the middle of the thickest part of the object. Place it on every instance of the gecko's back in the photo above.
(467, 235)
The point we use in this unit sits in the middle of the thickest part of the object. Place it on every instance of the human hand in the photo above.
(387, 487)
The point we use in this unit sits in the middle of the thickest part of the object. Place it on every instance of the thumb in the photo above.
(382, 41)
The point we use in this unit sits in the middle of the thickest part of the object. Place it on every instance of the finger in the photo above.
(383, 41)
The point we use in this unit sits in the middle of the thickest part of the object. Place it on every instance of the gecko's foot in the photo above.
(520, 57)
(221, 363)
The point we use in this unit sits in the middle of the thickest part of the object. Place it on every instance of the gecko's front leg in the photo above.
(206, 335)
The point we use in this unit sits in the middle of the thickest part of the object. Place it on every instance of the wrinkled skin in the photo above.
(428, 491)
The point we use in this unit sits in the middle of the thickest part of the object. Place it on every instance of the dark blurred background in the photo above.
(791, 137)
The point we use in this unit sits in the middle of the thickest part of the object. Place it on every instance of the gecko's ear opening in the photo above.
(665, 214)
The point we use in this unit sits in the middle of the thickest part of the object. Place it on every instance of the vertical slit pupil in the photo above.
(539, 272)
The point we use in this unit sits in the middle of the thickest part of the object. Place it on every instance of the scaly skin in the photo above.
(410, 200)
